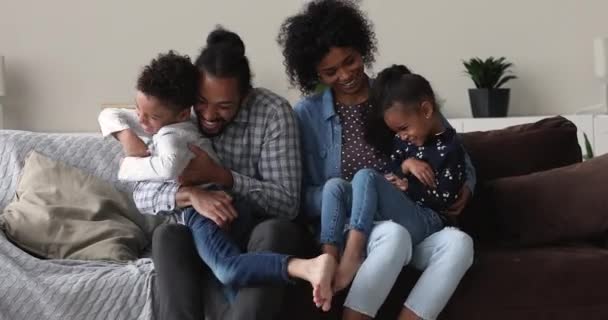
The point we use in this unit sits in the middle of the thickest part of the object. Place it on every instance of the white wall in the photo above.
(65, 58)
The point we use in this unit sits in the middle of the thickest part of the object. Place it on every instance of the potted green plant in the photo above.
(489, 99)
(588, 149)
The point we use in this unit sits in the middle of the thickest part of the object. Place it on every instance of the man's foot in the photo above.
(320, 274)
(346, 273)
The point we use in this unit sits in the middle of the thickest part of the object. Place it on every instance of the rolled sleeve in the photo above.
(241, 184)
(155, 198)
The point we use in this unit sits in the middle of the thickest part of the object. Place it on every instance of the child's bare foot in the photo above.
(346, 272)
(320, 274)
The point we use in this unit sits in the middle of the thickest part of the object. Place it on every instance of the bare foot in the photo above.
(320, 274)
(346, 272)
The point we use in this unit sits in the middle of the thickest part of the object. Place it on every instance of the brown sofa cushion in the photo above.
(560, 204)
(517, 150)
(552, 282)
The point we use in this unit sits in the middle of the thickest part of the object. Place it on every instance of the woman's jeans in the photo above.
(443, 256)
(370, 197)
(233, 268)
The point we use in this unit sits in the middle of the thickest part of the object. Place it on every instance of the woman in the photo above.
(328, 45)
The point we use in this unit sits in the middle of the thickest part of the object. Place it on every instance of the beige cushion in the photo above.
(63, 213)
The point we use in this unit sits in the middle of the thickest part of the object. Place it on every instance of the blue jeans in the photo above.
(370, 197)
(220, 252)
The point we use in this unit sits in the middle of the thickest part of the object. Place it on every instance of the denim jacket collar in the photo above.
(328, 104)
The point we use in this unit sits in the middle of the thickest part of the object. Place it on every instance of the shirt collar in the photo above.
(329, 110)
(242, 115)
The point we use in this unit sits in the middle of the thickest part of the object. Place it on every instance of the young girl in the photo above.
(425, 175)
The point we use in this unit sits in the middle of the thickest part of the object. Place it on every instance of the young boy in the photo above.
(161, 126)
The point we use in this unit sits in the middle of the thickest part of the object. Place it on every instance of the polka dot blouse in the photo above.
(357, 154)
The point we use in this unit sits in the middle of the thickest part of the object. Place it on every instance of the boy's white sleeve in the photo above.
(114, 120)
(168, 161)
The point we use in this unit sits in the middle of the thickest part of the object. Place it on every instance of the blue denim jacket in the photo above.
(321, 142)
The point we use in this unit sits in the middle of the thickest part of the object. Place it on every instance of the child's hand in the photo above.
(132, 145)
(420, 170)
(401, 184)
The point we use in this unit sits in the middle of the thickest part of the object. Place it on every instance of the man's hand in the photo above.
(132, 145)
(401, 184)
(215, 205)
(420, 170)
(202, 169)
(464, 195)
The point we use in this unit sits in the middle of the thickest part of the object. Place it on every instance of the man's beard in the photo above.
(208, 134)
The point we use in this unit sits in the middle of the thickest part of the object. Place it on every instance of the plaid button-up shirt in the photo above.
(261, 147)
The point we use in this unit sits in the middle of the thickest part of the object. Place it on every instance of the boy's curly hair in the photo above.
(172, 79)
(307, 37)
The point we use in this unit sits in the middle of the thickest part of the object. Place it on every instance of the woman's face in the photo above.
(343, 70)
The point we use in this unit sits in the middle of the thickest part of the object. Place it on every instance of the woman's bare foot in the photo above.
(346, 272)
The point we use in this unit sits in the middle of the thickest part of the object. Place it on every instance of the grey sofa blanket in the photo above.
(32, 288)
(88, 152)
(65, 289)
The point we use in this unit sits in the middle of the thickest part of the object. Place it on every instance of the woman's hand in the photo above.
(464, 195)
(421, 170)
(132, 145)
(400, 183)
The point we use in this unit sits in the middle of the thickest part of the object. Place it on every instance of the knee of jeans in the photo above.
(335, 186)
(277, 235)
(458, 248)
(171, 242)
(367, 174)
(396, 240)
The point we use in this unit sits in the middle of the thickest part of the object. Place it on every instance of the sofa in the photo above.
(539, 219)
